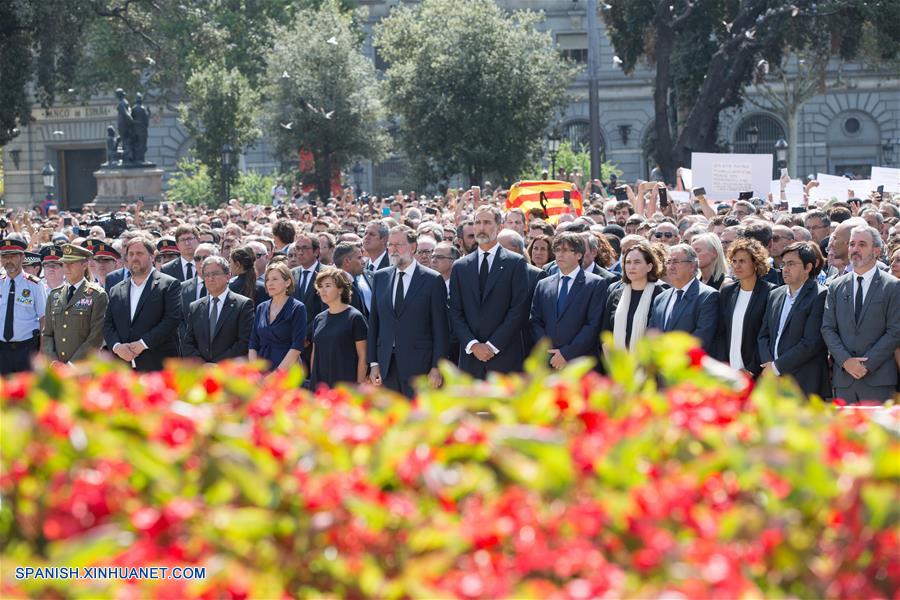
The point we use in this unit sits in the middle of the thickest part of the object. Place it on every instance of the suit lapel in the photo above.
(418, 278)
(688, 295)
(148, 289)
(576, 287)
(874, 289)
(801, 298)
(203, 326)
(224, 314)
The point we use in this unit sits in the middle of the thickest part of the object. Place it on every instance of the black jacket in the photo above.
(753, 318)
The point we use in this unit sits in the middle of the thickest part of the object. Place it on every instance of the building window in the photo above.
(578, 134)
(573, 46)
(770, 131)
(852, 126)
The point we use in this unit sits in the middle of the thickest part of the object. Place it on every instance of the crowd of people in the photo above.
(367, 289)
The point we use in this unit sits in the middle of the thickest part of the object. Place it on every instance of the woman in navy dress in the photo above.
(339, 333)
(279, 327)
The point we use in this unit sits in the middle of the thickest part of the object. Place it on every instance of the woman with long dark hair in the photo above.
(244, 281)
(629, 304)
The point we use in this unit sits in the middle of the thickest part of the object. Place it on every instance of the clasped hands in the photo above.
(128, 351)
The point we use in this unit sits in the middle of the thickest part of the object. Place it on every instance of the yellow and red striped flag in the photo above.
(551, 196)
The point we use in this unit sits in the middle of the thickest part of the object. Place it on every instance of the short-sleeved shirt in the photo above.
(334, 338)
(30, 306)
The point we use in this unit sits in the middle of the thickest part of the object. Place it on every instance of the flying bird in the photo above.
(617, 61)
(285, 75)
(332, 40)
(794, 11)
(150, 61)
(59, 132)
(287, 125)
(71, 90)
(750, 34)
(727, 26)
(329, 114)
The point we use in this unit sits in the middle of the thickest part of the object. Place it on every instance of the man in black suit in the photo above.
(790, 341)
(194, 288)
(511, 240)
(144, 311)
(861, 324)
(219, 324)
(568, 307)
(489, 302)
(408, 331)
(348, 257)
(688, 305)
(182, 268)
(375, 245)
(307, 248)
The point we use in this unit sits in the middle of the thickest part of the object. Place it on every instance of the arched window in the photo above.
(769, 130)
(578, 133)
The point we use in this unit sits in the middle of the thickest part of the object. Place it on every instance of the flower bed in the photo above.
(668, 477)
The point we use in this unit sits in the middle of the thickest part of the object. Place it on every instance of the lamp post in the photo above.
(781, 151)
(48, 174)
(357, 171)
(553, 149)
(887, 152)
(227, 152)
(753, 137)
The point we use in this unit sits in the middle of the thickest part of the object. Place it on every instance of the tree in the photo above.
(475, 87)
(323, 94)
(705, 53)
(222, 109)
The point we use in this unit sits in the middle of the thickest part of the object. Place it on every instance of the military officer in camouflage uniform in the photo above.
(73, 328)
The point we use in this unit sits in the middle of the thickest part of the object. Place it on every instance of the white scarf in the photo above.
(620, 323)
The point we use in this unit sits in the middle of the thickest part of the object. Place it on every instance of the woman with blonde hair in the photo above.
(279, 326)
(711, 257)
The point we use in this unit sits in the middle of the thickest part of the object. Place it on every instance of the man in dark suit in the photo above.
(688, 305)
(568, 307)
(115, 277)
(194, 288)
(144, 311)
(219, 324)
(408, 331)
(348, 257)
(375, 245)
(307, 248)
(182, 268)
(790, 341)
(489, 302)
(861, 324)
(511, 240)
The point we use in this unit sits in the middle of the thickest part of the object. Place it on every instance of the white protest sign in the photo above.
(793, 191)
(830, 186)
(687, 178)
(861, 187)
(775, 190)
(680, 197)
(825, 179)
(726, 175)
(889, 178)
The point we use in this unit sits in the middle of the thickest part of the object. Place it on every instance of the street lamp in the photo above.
(753, 137)
(227, 152)
(357, 177)
(553, 148)
(887, 151)
(48, 173)
(781, 151)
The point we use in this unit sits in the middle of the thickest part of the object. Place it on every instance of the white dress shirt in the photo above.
(309, 278)
(137, 291)
(184, 268)
(374, 264)
(220, 305)
(785, 313)
(407, 277)
(868, 276)
(737, 329)
(671, 305)
(491, 255)
(364, 289)
(572, 277)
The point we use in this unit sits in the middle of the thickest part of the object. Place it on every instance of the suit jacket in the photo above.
(575, 331)
(310, 299)
(496, 317)
(774, 277)
(74, 329)
(753, 318)
(534, 276)
(801, 349)
(188, 296)
(114, 277)
(155, 320)
(232, 334)
(174, 269)
(384, 264)
(417, 333)
(875, 337)
(356, 300)
(697, 313)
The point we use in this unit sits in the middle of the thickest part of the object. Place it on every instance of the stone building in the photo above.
(852, 126)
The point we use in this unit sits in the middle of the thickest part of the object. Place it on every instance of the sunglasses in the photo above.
(663, 234)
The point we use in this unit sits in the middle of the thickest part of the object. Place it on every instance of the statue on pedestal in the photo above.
(130, 147)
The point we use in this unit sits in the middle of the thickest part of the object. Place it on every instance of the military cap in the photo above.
(73, 253)
(51, 253)
(101, 249)
(32, 258)
(167, 246)
(12, 245)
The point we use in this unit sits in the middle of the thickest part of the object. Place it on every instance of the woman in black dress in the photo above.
(339, 333)
(629, 304)
(245, 282)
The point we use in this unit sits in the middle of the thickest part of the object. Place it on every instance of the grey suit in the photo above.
(875, 336)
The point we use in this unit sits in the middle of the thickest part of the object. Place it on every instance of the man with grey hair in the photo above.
(219, 324)
(375, 245)
(861, 326)
(688, 305)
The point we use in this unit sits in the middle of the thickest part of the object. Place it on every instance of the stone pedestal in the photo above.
(115, 186)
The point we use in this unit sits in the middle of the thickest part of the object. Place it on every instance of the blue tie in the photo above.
(678, 296)
(563, 294)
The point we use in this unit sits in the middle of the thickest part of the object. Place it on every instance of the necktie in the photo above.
(202, 292)
(483, 273)
(563, 294)
(10, 303)
(70, 293)
(190, 272)
(678, 295)
(370, 267)
(303, 277)
(858, 303)
(398, 295)
(213, 317)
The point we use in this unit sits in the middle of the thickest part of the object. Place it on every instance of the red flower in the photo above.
(211, 385)
(57, 418)
(696, 355)
(176, 430)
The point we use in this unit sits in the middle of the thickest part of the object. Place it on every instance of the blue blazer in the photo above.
(697, 314)
(272, 341)
(417, 334)
(114, 277)
(576, 331)
(499, 317)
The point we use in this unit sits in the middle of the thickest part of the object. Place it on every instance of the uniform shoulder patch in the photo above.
(32, 278)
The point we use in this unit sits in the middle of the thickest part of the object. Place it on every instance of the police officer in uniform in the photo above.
(73, 328)
(22, 304)
(53, 272)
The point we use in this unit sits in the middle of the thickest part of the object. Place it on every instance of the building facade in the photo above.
(851, 126)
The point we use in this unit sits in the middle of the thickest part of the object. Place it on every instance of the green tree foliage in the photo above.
(191, 184)
(475, 87)
(324, 94)
(254, 188)
(222, 109)
(570, 158)
(705, 53)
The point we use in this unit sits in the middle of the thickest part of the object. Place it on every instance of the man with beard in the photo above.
(489, 302)
(408, 321)
(144, 311)
(861, 325)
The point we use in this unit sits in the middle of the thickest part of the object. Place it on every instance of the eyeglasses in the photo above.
(187, 239)
(261, 255)
(663, 234)
(213, 275)
(790, 264)
(424, 253)
(678, 262)
(440, 257)
(398, 246)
